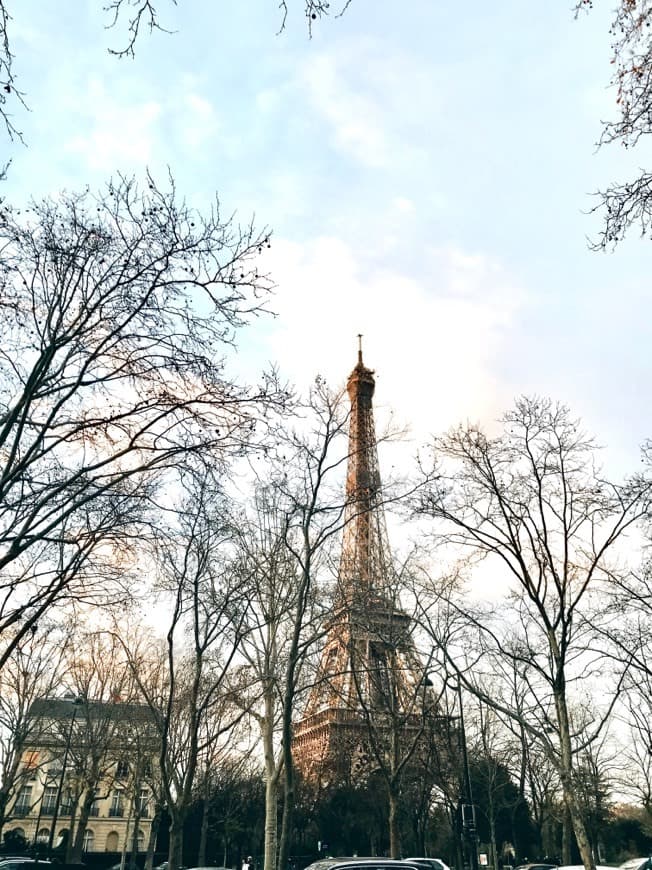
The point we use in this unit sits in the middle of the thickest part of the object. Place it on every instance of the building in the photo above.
(372, 689)
(86, 777)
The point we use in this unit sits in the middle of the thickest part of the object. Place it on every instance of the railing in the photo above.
(21, 811)
(95, 811)
(116, 812)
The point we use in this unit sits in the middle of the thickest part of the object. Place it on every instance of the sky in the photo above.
(426, 169)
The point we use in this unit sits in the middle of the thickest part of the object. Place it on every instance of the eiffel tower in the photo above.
(369, 670)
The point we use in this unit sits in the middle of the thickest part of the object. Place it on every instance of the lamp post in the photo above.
(76, 702)
(468, 809)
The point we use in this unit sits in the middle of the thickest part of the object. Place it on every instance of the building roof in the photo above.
(64, 708)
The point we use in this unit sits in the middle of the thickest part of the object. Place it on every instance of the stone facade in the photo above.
(78, 746)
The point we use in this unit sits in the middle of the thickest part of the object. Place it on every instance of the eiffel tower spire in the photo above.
(365, 564)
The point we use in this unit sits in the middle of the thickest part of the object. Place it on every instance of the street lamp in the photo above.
(468, 808)
(76, 702)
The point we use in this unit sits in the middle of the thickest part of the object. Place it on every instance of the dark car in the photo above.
(535, 866)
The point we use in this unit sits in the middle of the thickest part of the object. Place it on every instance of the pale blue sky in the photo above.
(424, 170)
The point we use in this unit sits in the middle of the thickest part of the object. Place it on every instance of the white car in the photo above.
(429, 863)
(581, 867)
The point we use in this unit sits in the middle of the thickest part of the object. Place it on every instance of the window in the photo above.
(43, 835)
(65, 805)
(89, 838)
(117, 808)
(142, 803)
(141, 841)
(23, 801)
(49, 800)
(112, 842)
(122, 771)
(30, 764)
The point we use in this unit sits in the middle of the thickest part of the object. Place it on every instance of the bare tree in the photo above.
(128, 18)
(35, 669)
(188, 684)
(116, 310)
(399, 705)
(493, 753)
(275, 596)
(531, 503)
(114, 739)
(284, 551)
(637, 774)
(627, 204)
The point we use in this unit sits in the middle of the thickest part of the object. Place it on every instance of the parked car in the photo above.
(581, 867)
(429, 863)
(536, 866)
(636, 864)
(24, 863)
(209, 868)
(356, 863)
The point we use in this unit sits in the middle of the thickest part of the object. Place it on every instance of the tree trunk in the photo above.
(288, 704)
(566, 775)
(579, 829)
(76, 845)
(271, 822)
(203, 834)
(566, 837)
(288, 807)
(134, 837)
(72, 828)
(494, 845)
(271, 783)
(176, 842)
(153, 835)
(123, 856)
(394, 832)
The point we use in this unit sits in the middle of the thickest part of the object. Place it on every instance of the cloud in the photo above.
(403, 204)
(355, 119)
(371, 100)
(117, 133)
(434, 333)
(198, 121)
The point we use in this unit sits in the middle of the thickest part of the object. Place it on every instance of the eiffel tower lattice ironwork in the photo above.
(368, 668)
